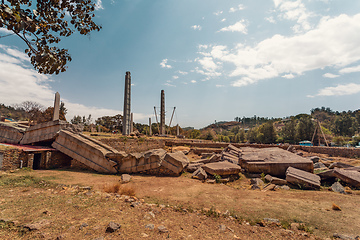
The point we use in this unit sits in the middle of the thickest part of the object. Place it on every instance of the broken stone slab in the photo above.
(302, 178)
(315, 159)
(269, 187)
(230, 158)
(319, 165)
(223, 168)
(11, 133)
(348, 176)
(274, 161)
(327, 174)
(291, 148)
(213, 158)
(192, 167)
(275, 180)
(125, 178)
(337, 187)
(257, 181)
(37, 226)
(183, 149)
(339, 165)
(85, 150)
(175, 162)
(200, 174)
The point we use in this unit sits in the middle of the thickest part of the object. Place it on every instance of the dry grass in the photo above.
(119, 189)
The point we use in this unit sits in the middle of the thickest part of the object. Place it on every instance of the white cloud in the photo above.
(350, 69)
(223, 20)
(238, 8)
(288, 76)
(193, 81)
(182, 72)
(218, 13)
(240, 26)
(164, 64)
(203, 46)
(333, 43)
(175, 77)
(270, 19)
(219, 85)
(98, 5)
(5, 31)
(339, 90)
(196, 27)
(330, 75)
(294, 11)
(19, 83)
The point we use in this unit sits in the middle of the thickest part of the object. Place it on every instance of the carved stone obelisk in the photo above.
(162, 113)
(127, 103)
(150, 130)
(132, 123)
(56, 107)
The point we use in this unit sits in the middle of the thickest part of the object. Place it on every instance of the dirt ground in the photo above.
(312, 208)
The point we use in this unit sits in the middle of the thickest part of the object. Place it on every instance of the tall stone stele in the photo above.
(162, 113)
(56, 115)
(127, 105)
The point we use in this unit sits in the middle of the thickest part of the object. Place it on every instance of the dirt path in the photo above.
(311, 207)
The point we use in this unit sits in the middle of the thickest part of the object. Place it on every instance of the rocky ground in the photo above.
(64, 204)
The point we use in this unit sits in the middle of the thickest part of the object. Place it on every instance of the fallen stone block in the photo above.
(175, 162)
(199, 174)
(326, 174)
(337, 187)
(213, 158)
(275, 180)
(223, 168)
(85, 150)
(269, 187)
(183, 149)
(192, 167)
(274, 161)
(125, 178)
(302, 178)
(339, 165)
(319, 165)
(11, 133)
(257, 181)
(230, 158)
(348, 176)
(315, 159)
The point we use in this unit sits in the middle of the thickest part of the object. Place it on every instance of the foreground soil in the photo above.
(187, 208)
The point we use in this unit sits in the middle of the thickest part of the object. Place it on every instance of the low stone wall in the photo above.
(58, 160)
(129, 145)
(332, 151)
(11, 159)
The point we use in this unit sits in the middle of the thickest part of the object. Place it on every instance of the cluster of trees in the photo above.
(32, 112)
(339, 127)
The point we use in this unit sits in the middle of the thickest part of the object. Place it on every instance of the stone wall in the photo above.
(11, 159)
(332, 151)
(57, 160)
(129, 145)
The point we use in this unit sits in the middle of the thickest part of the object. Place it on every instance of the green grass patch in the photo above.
(25, 181)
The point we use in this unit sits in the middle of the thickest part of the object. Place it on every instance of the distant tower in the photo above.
(162, 113)
(127, 105)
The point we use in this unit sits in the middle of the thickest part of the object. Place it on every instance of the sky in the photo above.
(216, 60)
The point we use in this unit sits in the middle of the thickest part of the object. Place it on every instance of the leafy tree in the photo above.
(42, 24)
(345, 125)
(266, 133)
(195, 133)
(251, 135)
(289, 132)
(305, 128)
(110, 122)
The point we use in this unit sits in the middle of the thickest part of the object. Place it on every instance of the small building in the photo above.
(305, 143)
(13, 156)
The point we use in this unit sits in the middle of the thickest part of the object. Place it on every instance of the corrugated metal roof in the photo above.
(29, 148)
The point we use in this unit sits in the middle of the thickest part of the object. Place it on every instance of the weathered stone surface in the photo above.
(192, 167)
(199, 174)
(340, 165)
(291, 148)
(348, 176)
(176, 162)
(125, 178)
(37, 225)
(278, 181)
(112, 227)
(315, 159)
(222, 168)
(150, 226)
(139, 162)
(337, 187)
(319, 165)
(257, 181)
(305, 179)
(183, 149)
(326, 174)
(85, 150)
(285, 187)
(273, 161)
(162, 229)
(213, 158)
(269, 187)
(11, 133)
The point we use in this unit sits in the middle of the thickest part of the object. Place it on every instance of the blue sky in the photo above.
(215, 60)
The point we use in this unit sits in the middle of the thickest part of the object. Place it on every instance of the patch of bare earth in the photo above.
(69, 209)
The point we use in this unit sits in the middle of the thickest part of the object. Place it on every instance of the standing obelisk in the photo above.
(127, 105)
(56, 107)
(162, 113)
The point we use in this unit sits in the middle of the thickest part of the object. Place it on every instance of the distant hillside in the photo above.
(10, 112)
